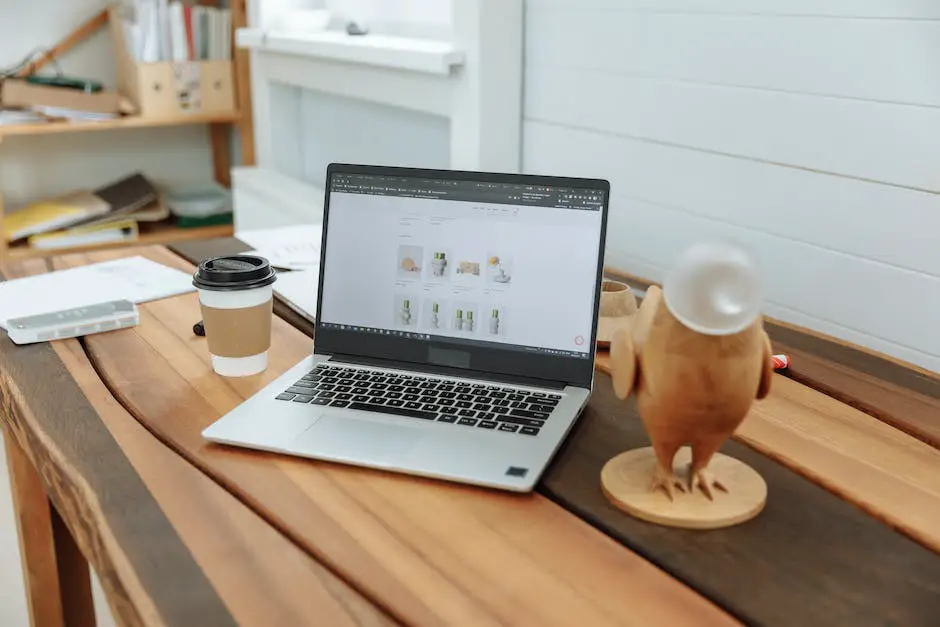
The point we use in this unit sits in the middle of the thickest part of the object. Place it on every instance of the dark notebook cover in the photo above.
(128, 195)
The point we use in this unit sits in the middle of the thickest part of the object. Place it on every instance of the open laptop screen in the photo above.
(462, 270)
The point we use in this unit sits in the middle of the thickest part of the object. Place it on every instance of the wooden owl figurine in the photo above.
(693, 386)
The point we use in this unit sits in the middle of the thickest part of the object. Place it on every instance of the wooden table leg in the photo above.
(56, 575)
(78, 605)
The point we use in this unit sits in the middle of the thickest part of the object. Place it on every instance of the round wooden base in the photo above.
(626, 482)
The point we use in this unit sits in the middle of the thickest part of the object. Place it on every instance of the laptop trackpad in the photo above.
(356, 439)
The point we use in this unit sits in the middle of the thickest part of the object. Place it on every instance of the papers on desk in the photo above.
(135, 279)
(298, 248)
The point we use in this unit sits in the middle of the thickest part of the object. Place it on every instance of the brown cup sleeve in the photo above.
(238, 332)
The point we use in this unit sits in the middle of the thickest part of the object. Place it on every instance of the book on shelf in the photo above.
(157, 211)
(121, 231)
(178, 32)
(129, 194)
(160, 30)
(53, 213)
(131, 197)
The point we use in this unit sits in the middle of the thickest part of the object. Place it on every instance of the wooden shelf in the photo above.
(163, 234)
(418, 55)
(118, 123)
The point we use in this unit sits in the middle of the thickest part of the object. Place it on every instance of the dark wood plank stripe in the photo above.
(175, 583)
(900, 401)
(808, 559)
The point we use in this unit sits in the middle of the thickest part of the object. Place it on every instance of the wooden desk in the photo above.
(184, 532)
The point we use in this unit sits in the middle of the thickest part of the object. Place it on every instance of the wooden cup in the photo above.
(617, 310)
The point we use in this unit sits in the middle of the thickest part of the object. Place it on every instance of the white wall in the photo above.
(356, 131)
(32, 167)
(310, 129)
(805, 128)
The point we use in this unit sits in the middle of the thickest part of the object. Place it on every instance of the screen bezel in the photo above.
(489, 361)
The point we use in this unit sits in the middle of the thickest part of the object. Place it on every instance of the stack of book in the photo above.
(159, 30)
(106, 215)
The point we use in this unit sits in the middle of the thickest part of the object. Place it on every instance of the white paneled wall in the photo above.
(334, 128)
(806, 128)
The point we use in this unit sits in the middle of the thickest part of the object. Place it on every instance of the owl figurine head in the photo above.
(714, 289)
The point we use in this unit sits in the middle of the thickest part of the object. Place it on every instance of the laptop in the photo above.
(455, 327)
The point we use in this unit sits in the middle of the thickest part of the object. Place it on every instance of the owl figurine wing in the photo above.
(627, 345)
(623, 363)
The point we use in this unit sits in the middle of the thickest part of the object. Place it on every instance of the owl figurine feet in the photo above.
(703, 479)
(666, 480)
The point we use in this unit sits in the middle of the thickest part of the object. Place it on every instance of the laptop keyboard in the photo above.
(490, 407)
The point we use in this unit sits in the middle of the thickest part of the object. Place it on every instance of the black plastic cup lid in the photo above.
(234, 273)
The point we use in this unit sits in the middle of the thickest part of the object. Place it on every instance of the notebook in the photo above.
(128, 195)
(153, 212)
(54, 213)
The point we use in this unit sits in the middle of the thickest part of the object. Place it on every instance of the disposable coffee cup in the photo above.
(236, 295)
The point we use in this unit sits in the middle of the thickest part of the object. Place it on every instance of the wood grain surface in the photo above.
(905, 397)
(170, 545)
(836, 564)
(428, 552)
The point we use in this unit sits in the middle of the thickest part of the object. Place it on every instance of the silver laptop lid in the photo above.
(462, 271)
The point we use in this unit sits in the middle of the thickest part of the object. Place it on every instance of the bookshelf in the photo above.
(164, 234)
(220, 123)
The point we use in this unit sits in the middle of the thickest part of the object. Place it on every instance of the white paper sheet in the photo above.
(135, 278)
(295, 247)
